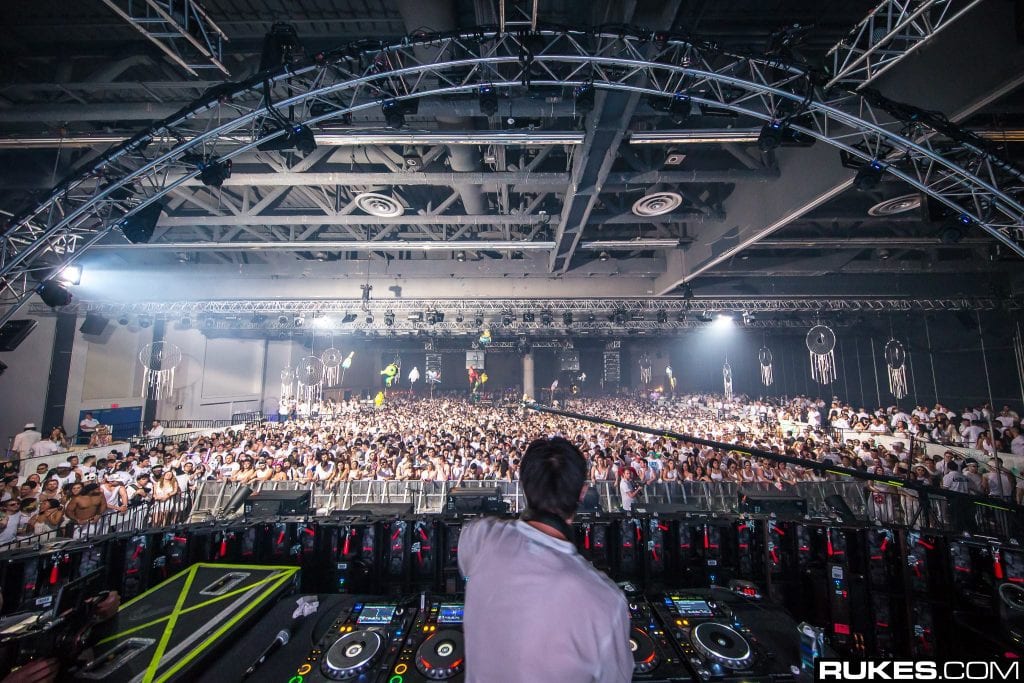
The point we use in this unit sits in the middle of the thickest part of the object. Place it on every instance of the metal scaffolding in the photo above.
(79, 213)
(180, 28)
(892, 30)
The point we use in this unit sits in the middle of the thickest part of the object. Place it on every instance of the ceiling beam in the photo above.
(813, 176)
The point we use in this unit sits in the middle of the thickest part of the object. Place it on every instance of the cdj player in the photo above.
(654, 657)
(363, 642)
(726, 637)
(434, 650)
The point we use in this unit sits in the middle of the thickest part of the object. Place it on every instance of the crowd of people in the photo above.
(455, 440)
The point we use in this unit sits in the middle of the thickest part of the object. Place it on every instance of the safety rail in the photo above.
(135, 518)
(430, 496)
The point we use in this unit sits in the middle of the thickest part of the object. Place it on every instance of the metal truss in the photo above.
(180, 28)
(83, 209)
(892, 30)
(496, 308)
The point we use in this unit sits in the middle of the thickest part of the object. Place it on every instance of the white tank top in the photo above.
(113, 499)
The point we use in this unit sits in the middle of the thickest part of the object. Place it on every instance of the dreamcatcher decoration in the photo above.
(896, 362)
(485, 338)
(287, 386)
(332, 359)
(671, 377)
(577, 381)
(645, 369)
(309, 378)
(414, 376)
(821, 343)
(765, 358)
(727, 380)
(159, 361)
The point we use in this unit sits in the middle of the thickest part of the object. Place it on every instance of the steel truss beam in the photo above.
(180, 28)
(892, 30)
(77, 214)
(470, 308)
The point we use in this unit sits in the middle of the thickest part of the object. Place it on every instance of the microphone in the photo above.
(280, 640)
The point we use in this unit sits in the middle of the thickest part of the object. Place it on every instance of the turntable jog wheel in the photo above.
(442, 655)
(352, 654)
(722, 645)
(645, 657)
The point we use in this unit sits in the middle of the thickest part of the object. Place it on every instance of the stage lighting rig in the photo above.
(662, 317)
(478, 320)
(771, 136)
(389, 318)
(619, 318)
(869, 176)
(584, 97)
(53, 294)
(528, 317)
(545, 318)
(687, 291)
(953, 230)
(567, 318)
(488, 98)
(213, 172)
(507, 319)
(394, 114)
(679, 108)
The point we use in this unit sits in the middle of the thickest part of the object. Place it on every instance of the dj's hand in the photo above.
(36, 671)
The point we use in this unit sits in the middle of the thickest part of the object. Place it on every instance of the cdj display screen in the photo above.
(449, 613)
(376, 614)
(688, 607)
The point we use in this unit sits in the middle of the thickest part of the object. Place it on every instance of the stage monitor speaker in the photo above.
(767, 502)
(591, 501)
(14, 332)
(838, 505)
(277, 503)
(475, 501)
(139, 227)
(668, 508)
(93, 324)
(380, 509)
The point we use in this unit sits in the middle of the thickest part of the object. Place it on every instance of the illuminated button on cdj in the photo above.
(305, 669)
(401, 668)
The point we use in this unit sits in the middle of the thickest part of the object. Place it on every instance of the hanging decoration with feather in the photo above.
(821, 343)
(727, 379)
(765, 358)
(309, 376)
(332, 359)
(896, 362)
(159, 361)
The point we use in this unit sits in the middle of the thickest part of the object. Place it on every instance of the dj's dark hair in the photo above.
(552, 474)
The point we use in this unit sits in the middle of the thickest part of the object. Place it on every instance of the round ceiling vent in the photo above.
(657, 203)
(379, 205)
(891, 207)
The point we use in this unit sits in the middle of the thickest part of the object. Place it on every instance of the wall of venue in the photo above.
(220, 376)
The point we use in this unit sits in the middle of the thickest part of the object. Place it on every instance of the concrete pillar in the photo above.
(528, 387)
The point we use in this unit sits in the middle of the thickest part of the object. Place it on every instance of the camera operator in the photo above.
(47, 669)
(535, 609)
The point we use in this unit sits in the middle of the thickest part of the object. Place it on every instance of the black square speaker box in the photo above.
(14, 332)
(93, 324)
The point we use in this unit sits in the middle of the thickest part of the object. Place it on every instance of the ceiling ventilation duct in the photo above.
(379, 205)
(657, 203)
(896, 205)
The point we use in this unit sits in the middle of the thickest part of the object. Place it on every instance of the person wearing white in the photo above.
(44, 447)
(155, 431)
(528, 590)
(24, 441)
(87, 426)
